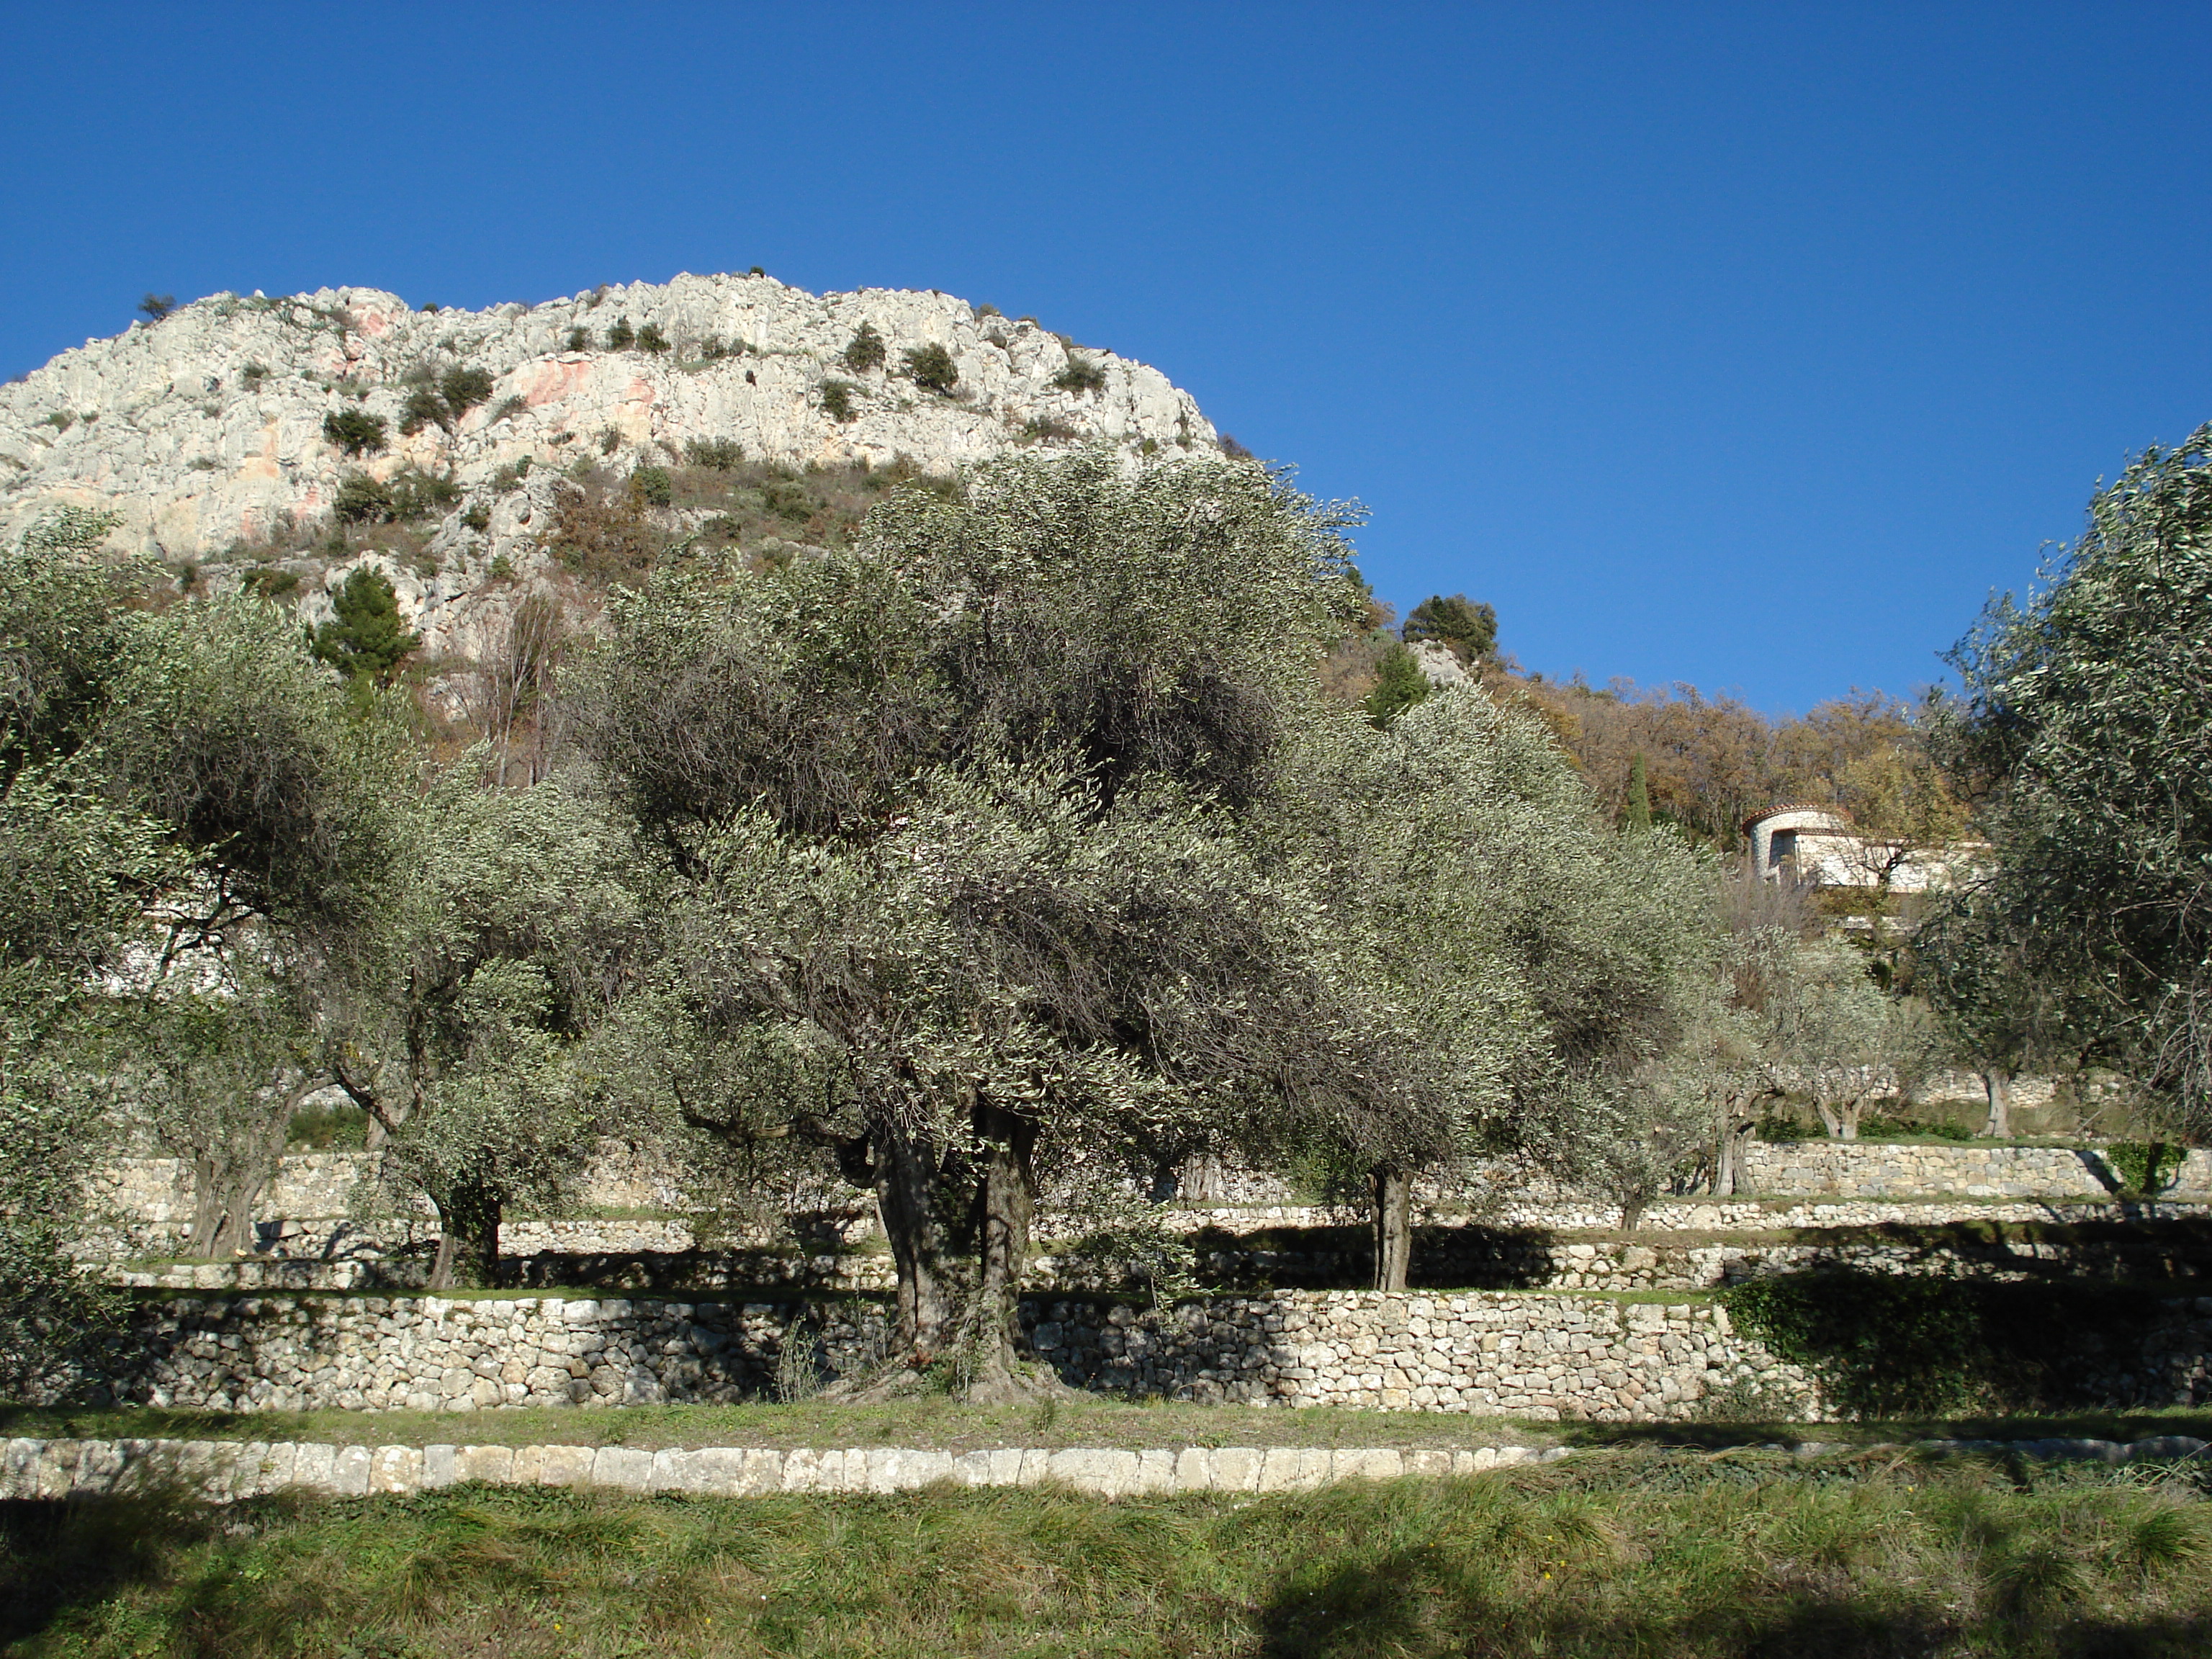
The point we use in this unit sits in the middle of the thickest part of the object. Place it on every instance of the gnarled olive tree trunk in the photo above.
(227, 1181)
(1996, 1081)
(959, 1222)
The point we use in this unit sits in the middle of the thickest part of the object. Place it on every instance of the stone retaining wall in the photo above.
(1866, 1169)
(1536, 1356)
(1530, 1355)
(156, 1192)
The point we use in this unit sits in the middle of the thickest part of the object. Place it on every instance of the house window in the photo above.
(1782, 847)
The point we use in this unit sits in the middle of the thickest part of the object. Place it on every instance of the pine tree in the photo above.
(1639, 795)
(1401, 686)
(367, 641)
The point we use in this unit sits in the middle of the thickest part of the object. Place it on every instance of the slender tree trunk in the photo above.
(250, 1175)
(1831, 1120)
(468, 1240)
(1997, 1082)
(1391, 1191)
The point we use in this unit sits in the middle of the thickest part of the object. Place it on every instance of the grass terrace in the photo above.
(1631, 1551)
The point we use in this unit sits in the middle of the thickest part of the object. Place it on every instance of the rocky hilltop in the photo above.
(221, 432)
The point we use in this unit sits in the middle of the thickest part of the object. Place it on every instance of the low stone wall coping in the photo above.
(224, 1471)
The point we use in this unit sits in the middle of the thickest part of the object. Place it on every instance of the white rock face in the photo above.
(207, 427)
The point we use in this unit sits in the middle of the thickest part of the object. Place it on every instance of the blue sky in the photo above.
(1745, 346)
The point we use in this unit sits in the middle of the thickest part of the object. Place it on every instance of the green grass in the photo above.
(1625, 1554)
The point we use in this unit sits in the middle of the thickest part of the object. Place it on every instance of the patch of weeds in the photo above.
(510, 407)
(463, 388)
(580, 338)
(1047, 429)
(721, 454)
(837, 400)
(61, 420)
(1891, 1344)
(416, 495)
(651, 339)
(252, 375)
(422, 407)
(2146, 1168)
(622, 336)
(502, 568)
(361, 500)
(602, 534)
(476, 516)
(652, 486)
(609, 440)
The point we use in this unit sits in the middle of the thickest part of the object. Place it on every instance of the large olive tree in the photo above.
(2082, 733)
(962, 832)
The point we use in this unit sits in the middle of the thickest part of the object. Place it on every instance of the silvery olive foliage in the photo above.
(960, 827)
(1533, 963)
(463, 1028)
(2082, 733)
(76, 871)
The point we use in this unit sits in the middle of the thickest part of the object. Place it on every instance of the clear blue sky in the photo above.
(1748, 345)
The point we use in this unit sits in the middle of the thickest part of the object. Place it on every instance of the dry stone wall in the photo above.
(1543, 1356)
(1533, 1356)
(1875, 1169)
(664, 1256)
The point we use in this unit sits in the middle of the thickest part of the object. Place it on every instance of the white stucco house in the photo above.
(1817, 845)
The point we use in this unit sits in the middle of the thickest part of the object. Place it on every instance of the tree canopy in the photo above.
(2082, 730)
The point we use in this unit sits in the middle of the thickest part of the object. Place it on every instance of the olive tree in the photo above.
(960, 827)
(1540, 962)
(2081, 734)
(458, 1026)
(286, 796)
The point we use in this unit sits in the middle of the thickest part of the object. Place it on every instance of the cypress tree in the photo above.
(1639, 795)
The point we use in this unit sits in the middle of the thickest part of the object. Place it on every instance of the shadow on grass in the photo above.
(1714, 1437)
(58, 1555)
(1406, 1604)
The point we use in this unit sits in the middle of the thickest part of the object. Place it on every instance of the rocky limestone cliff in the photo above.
(205, 430)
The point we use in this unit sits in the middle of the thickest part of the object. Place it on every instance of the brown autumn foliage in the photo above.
(1712, 761)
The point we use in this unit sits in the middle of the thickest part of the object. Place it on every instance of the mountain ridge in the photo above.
(209, 430)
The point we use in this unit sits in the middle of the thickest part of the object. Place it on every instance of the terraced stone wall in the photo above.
(1877, 1170)
(1527, 1355)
